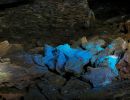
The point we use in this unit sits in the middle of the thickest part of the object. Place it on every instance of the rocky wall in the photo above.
(43, 16)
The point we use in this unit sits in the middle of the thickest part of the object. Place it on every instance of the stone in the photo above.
(60, 63)
(54, 79)
(34, 94)
(94, 45)
(11, 96)
(15, 48)
(99, 76)
(48, 59)
(80, 42)
(20, 74)
(36, 50)
(114, 49)
(117, 46)
(124, 66)
(4, 48)
(50, 91)
(94, 41)
(75, 66)
(74, 89)
(128, 25)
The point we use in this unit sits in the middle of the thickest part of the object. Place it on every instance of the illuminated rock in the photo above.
(49, 58)
(21, 72)
(60, 63)
(99, 76)
(4, 47)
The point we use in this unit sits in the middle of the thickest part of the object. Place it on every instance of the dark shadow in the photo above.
(14, 4)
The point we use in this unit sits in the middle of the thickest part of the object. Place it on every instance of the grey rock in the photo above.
(99, 76)
(50, 91)
(74, 89)
(34, 94)
(20, 74)
(54, 79)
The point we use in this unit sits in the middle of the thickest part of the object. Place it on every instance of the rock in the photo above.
(94, 45)
(94, 41)
(76, 58)
(117, 46)
(60, 63)
(11, 96)
(22, 59)
(15, 48)
(4, 48)
(128, 26)
(53, 79)
(99, 76)
(108, 61)
(50, 91)
(21, 74)
(2, 60)
(80, 42)
(7, 49)
(74, 89)
(48, 59)
(34, 94)
(124, 66)
(36, 50)
(74, 65)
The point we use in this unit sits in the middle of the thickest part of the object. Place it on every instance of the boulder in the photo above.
(34, 94)
(99, 76)
(50, 91)
(4, 48)
(74, 89)
(60, 63)
(48, 59)
(116, 48)
(20, 74)
(124, 66)
(54, 79)
(80, 42)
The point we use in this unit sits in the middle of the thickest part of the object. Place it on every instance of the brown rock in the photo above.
(4, 48)
(11, 96)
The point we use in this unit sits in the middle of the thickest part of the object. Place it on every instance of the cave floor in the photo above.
(47, 87)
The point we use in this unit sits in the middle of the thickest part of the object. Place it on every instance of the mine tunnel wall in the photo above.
(105, 9)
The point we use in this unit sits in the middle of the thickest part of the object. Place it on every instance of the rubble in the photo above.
(105, 60)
